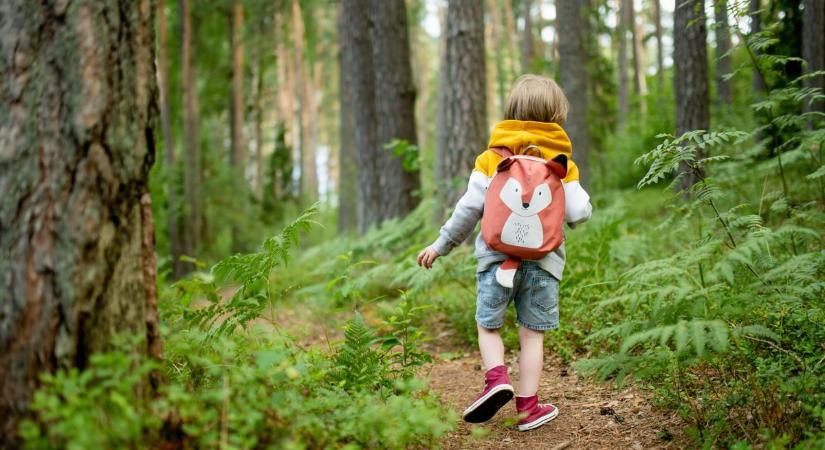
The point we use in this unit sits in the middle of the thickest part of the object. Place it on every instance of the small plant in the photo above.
(407, 152)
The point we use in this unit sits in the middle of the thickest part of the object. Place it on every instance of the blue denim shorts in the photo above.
(535, 292)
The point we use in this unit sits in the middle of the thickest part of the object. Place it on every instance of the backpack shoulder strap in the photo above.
(504, 152)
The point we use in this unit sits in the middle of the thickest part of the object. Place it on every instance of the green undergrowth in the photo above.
(232, 376)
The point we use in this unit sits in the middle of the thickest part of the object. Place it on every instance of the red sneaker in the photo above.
(537, 414)
(497, 392)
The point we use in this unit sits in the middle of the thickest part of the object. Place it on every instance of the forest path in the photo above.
(592, 414)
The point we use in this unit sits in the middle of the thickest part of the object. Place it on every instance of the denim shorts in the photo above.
(535, 292)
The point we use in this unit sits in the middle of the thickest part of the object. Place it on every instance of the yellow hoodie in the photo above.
(517, 135)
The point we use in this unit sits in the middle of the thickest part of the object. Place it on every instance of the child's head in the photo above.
(537, 99)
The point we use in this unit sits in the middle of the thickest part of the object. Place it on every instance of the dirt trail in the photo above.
(591, 415)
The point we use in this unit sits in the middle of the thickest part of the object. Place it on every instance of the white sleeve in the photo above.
(577, 208)
(466, 215)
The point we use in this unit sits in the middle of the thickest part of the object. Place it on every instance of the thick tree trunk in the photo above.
(77, 118)
(348, 173)
(309, 173)
(624, 95)
(395, 104)
(574, 26)
(357, 53)
(690, 78)
(724, 89)
(463, 98)
(813, 47)
(236, 110)
(191, 134)
(175, 244)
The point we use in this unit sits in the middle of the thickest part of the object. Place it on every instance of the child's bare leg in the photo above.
(491, 347)
(530, 361)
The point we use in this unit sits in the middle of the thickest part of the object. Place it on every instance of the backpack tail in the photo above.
(506, 272)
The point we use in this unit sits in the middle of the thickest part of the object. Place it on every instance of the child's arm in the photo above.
(577, 207)
(461, 223)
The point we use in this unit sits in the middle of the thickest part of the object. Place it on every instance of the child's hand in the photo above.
(427, 257)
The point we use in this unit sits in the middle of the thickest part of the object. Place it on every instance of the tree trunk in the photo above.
(76, 144)
(527, 47)
(259, 119)
(512, 44)
(395, 105)
(624, 96)
(175, 244)
(191, 134)
(498, 51)
(463, 98)
(347, 156)
(357, 53)
(639, 82)
(721, 32)
(309, 173)
(690, 71)
(813, 47)
(660, 58)
(755, 11)
(574, 58)
(236, 111)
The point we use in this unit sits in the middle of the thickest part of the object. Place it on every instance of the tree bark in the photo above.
(175, 244)
(357, 53)
(574, 59)
(724, 89)
(463, 98)
(191, 134)
(639, 82)
(660, 59)
(813, 48)
(690, 59)
(77, 123)
(496, 37)
(259, 119)
(395, 104)
(309, 173)
(624, 95)
(236, 110)
(527, 47)
(755, 11)
(347, 156)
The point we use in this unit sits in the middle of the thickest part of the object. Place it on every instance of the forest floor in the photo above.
(592, 415)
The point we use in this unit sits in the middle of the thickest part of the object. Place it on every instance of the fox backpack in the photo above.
(524, 210)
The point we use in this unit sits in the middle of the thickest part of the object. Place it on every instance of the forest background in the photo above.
(341, 133)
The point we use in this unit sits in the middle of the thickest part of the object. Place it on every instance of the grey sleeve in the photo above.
(466, 215)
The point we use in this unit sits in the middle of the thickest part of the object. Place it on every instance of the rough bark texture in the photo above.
(573, 74)
(813, 46)
(394, 104)
(236, 109)
(172, 229)
(357, 54)
(191, 136)
(624, 95)
(463, 98)
(690, 78)
(348, 173)
(77, 120)
(724, 89)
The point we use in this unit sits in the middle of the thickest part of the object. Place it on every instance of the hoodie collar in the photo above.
(518, 135)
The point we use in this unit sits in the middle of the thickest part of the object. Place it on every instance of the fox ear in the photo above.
(504, 164)
(558, 165)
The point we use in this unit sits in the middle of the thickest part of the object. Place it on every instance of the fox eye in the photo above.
(516, 189)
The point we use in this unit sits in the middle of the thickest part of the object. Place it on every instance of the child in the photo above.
(536, 109)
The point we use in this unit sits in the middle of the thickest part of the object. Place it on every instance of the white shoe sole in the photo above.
(539, 422)
(493, 393)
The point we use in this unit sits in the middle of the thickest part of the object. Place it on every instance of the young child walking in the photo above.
(535, 112)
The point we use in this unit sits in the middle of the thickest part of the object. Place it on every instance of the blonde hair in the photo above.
(538, 99)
